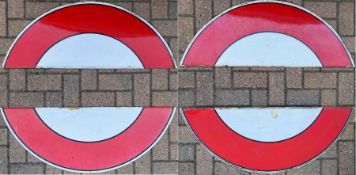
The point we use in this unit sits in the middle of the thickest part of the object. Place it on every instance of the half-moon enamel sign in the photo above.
(267, 34)
(95, 139)
(89, 35)
(267, 139)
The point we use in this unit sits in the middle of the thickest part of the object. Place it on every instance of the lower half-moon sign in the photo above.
(267, 139)
(93, 139)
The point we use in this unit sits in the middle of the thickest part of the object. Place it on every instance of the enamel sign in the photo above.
(267, 34)
(267, 139)
(89, 35)
(92, 139)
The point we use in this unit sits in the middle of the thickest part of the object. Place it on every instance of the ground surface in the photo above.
(178, 151)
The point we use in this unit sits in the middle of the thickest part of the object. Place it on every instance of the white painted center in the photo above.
(268, 124)
(89, 50)
(89, 124)
(269, 49)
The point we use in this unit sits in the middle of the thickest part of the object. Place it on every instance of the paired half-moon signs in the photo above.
(101, 35)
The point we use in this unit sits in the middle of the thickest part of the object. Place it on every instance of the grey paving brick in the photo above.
(302, 97)
(161, 149)
(71, 91)
(98, 99)
(165, 167)
(185, 7)
(186, 152)
(15, 9)
(204, 161)
(3, 136)
(329, 167)
(259, 98)
(3, 90)
(124, 98)
(320, 80)
(142, 9)
(346, 20)
(35, 9)
(3, 160)
(203, 13)
(159, 9)
(250, 80)
(142, 89)
(346, 89)
(205, 87)
(44, 82)
(143, 164)
(222, 169)
(328, 97)
(3, 24)
(276, 89)
(127, 169)
(186, 168)
(26, 168)
(346, 158)
(115, 82)
(16, 26)
(232, 97)
(186, 79)
(223, 77)
(185, 135)
(159, 79)
(26, 99)
(17, 153)
(88, 79)
(323, 9)
(17, 78)
(311, 168)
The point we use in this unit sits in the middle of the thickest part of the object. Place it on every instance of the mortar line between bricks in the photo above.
(62, 96)
(338, 158)
(195, 158)
(150, 87)
(285, 86)
(6, 18)
(97, 80)
(214, 86)
(80, 88)
(337, 86)
(320, 167)
(133, 90)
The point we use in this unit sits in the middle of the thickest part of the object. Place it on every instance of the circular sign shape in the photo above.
(89, 35)
(267, 33)
(93, 139)
(267, 139)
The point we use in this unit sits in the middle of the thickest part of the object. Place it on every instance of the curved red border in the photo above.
(89, 18)
(263, 156)
(84, 156)
(266, 17)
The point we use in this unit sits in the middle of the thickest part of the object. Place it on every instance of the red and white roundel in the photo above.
(267, 139)
(88, 139)
(267, 34)
(89, 35)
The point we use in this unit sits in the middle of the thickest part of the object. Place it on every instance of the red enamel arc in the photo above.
(107, 20)
(253, 18)
(88, 156)
(266, 156)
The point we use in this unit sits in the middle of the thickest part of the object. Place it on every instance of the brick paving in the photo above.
(178, 151)
(263, 87)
